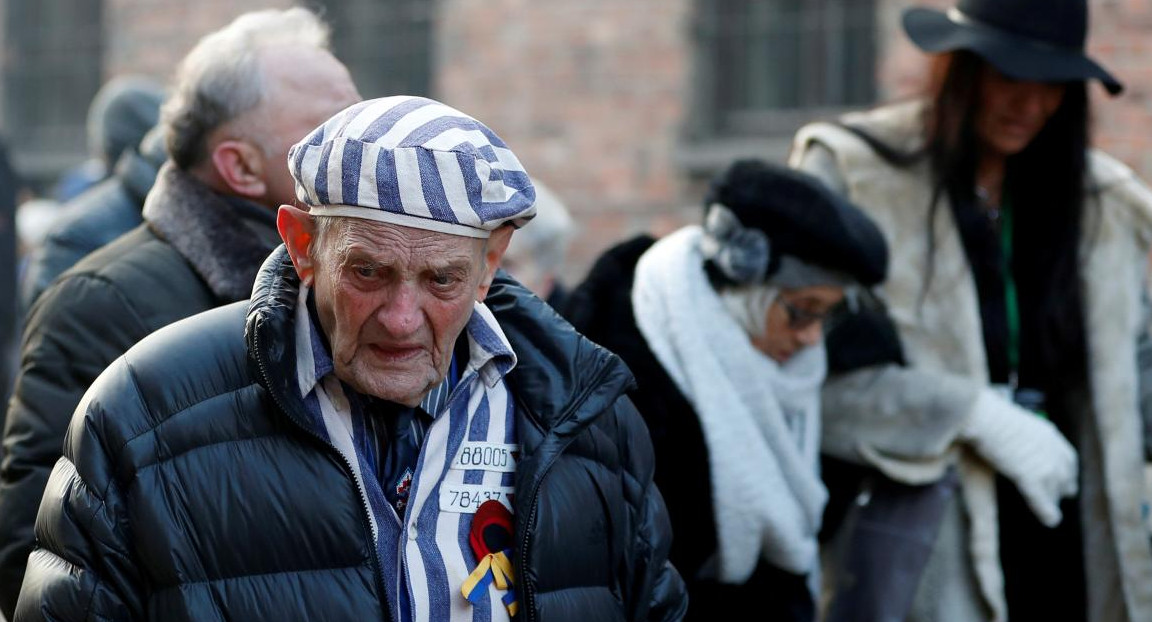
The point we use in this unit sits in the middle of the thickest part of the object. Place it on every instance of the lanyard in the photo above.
(1011, 303)
(1012, 311)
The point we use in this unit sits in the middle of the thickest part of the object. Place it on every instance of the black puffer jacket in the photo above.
(192, 489)
(197, 251)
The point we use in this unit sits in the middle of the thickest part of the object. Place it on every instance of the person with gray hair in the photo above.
(241, 97)
(536, 255)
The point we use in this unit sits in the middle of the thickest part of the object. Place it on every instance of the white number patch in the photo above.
(475, 456)
(466, 498)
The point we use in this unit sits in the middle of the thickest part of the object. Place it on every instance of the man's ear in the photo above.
(240, 165)
(493, 252)
(298, 230)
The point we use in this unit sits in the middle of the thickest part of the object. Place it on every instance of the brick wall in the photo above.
(589, 94)
(1121, 40)
(151, 36)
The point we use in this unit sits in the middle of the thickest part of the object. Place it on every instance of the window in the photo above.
(52, 72)
(386, 44)
(767, 66)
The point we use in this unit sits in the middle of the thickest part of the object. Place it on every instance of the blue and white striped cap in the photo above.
(414, 162)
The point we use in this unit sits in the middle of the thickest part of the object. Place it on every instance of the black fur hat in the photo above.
(783, 212)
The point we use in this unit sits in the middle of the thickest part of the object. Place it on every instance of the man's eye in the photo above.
(365, 272)
(443, 280)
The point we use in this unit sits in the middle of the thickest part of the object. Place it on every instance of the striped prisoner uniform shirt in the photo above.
(423, 549)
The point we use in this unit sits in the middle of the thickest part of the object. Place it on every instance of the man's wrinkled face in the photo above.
(392, 300)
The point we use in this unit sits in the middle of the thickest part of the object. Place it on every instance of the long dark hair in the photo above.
(1046, 180)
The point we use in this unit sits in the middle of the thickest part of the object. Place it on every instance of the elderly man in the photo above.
(209, 224)
(387, 430)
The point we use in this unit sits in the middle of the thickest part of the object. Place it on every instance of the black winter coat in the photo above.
(10, 187)
(197, 251)
(601, 309)
(94, 218)
(193, 490)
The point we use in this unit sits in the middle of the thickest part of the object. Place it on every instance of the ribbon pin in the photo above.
(491, 538)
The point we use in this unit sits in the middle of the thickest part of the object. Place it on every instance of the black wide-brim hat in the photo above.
(1034, 40)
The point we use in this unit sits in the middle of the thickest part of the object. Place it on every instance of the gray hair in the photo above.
(220, 79)
(543, 242)
(324, 227)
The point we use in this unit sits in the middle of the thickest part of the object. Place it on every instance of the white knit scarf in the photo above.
(761, 420)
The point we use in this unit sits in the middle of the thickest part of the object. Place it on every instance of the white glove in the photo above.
(1026, 449)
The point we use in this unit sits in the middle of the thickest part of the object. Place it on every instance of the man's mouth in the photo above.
(395, 353)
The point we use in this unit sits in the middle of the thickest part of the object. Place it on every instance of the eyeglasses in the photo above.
(800, 319)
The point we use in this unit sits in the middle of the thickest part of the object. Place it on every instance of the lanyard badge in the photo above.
(491, 540)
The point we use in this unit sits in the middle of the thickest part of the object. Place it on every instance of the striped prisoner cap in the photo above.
(414, 162)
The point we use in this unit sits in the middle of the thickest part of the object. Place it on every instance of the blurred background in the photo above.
(624, 108)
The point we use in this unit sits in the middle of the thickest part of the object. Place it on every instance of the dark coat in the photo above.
(196, 251)
(97, 216)
(601, 308)
(10, 185)
(192, 488)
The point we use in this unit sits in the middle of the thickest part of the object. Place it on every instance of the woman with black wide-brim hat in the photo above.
(1019, 257)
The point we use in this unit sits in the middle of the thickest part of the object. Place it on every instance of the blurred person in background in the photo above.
(535, 256)
(11, 187)
(1017, 295)
(385, 431)
(722, 325)
(34, 219)
(124, 109)
(97, 216)
(241, 98)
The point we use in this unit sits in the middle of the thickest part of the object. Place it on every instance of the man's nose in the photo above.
(400, 315)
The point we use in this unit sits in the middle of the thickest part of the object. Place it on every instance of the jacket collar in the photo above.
(562, 380)
(137, 172)
(225, 239)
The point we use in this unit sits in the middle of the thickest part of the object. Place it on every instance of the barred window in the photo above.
(52, 72)
(386, 44)
(767, 66)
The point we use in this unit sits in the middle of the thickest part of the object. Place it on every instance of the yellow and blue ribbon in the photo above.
(493, 568)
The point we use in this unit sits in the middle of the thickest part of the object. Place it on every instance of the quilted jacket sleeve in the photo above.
(50, 260)
(84, 568)
(69, 340)
(657, 591)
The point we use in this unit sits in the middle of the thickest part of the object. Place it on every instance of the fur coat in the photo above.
(905, 421)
